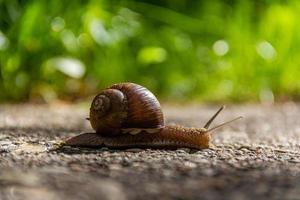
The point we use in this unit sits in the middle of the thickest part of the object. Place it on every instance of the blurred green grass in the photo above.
(217, 50)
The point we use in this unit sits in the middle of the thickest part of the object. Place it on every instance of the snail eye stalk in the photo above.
(206, 126)
(223, 124)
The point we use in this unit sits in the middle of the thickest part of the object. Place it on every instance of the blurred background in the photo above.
(207, 51)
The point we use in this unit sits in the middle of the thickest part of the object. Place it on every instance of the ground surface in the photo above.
(255, 158)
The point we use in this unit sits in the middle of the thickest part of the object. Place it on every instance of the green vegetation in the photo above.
(216, 50)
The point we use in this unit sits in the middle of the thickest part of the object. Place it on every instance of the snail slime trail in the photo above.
(127, 115)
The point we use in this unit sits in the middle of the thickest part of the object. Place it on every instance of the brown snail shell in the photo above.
(126, 108)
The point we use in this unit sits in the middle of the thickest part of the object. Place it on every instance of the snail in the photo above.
(127, 115)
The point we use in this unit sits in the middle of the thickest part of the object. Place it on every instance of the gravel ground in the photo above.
(255, 158)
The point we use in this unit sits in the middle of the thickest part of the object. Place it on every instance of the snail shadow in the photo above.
(94, 150)
(82, 150)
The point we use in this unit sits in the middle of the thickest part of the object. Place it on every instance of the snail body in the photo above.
(127, 115)
(170, 137)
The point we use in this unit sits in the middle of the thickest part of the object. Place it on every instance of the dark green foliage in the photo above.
(209, 50)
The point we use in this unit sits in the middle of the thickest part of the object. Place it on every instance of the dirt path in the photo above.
(256, 158)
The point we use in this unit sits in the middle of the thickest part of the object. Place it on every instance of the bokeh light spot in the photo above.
(69, 66)
(266, 96)
(266, 50)
(69, 40)
(220, 47)
(99, 33)
(57, 24)
(149, 55)
(3, 41)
